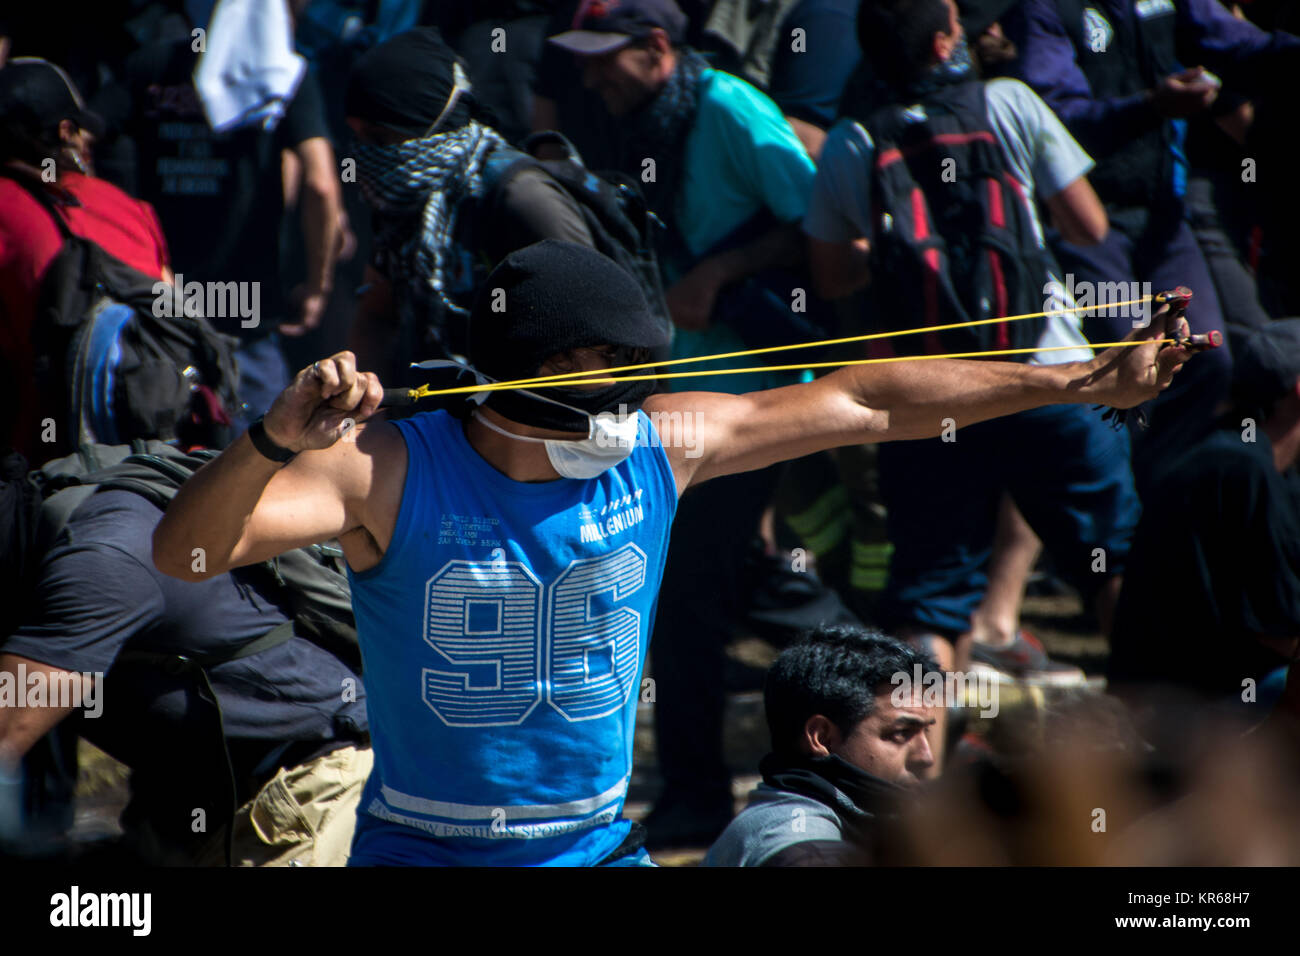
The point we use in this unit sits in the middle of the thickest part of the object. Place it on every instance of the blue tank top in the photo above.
(503, 635)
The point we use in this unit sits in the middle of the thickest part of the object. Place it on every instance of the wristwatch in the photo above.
(267, 448)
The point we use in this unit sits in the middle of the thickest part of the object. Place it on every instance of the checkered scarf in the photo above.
(414, 187)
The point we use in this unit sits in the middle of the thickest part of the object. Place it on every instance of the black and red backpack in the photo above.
(954, 239)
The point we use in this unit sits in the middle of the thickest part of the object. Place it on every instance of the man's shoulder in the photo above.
(723, 95)
(114, 516)
(773, 820)
(848, 137)
(1007, 97)
(101, 194)
(1228, 451)
(1008, 89)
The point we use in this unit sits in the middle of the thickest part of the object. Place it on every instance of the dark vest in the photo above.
(1138, 51)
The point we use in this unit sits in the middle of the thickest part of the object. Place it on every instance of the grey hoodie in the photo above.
(773, 820)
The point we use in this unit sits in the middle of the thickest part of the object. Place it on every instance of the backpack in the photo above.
(955, 238)
(746, 36)
(613, 207)
(112, 370)
(309, 584)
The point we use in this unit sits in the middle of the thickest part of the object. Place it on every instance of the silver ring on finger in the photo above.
(315, 367)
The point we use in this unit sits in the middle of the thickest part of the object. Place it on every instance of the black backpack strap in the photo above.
(178, 662)
(198, 665)
(551, 136)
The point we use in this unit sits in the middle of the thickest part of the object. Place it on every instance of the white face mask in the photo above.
(610, 439)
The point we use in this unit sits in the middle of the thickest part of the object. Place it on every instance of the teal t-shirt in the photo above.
(741, 157)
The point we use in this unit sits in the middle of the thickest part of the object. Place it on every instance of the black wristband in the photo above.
(265, 447)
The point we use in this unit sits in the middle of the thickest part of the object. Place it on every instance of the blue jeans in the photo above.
(1066, 469)
(263, 374)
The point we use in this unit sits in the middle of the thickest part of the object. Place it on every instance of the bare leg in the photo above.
(1015, 549)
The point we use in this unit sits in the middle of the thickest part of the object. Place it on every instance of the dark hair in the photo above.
(897, 36)
(835, 671)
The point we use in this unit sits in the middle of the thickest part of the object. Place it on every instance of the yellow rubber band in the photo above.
(557, 382)
(869, 337)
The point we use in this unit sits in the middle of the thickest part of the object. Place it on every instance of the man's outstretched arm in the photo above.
(897, 402)
(242, 508)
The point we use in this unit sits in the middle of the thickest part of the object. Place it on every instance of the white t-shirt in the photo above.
(1040, 151)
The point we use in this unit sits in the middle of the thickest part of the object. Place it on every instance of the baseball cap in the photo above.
(1267, 365)
(40, 95)
(602, 26)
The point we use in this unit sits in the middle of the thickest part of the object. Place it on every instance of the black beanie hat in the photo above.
(550, 298)
(404, 83)
(554, 297)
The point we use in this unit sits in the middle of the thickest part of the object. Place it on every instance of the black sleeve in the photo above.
(531, 207)
(305, 117)
(91, 598)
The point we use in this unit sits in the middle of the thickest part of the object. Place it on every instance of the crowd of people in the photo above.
(333, 624)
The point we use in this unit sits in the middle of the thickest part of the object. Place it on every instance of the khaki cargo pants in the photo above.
(303, 816)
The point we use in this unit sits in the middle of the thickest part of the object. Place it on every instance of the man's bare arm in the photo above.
(892, 402)
(20, 727)
(242, 508)
(1078, 214)
(321, 199)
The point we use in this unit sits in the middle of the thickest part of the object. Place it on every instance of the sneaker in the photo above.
(1025, 660)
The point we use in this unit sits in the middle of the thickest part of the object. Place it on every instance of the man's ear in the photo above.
(657, 40)
(820, 736)
(942, 45)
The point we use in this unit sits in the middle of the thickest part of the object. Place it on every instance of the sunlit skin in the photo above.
(890, 743)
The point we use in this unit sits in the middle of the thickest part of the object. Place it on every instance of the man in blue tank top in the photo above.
(505, 562)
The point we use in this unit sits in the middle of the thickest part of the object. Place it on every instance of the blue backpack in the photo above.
(108, 368)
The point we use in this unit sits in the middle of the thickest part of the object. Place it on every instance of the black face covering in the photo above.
(520, 407)
(558, 297)
(860, 799)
